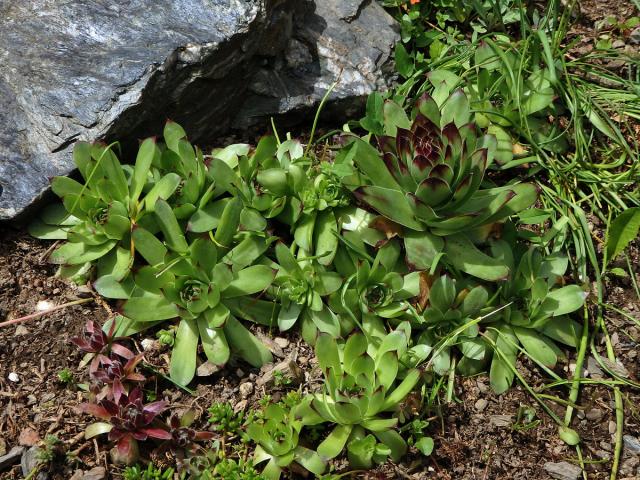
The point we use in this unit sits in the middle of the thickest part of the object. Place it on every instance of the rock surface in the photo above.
(349, 41)
(563, 470)
(117, 70)
(11, 458)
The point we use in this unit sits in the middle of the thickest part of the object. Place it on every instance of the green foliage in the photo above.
(428, 179)
(225, 420)
(363, 383)
(276, 433)
(394, 254)
(536, 315)
(622, 230)
(66, 376)
(150, 473)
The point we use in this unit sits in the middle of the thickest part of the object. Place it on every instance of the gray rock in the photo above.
(101, 70)
(631, 444)
(594, 414)
(246, 389)
(347, 40)
(11, 458)
(481, 404)
(634, 37)
(114, 70)
(96, 473)
(563, 470)
(29, 460)
(501, 420)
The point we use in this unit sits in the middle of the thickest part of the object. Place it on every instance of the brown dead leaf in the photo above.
(389, 228)
(28, 437)
(518, 149)
(426, 281)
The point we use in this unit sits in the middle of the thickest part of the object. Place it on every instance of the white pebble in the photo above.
(14, 377)
(43, 305)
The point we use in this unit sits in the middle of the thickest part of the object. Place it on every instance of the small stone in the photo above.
(288, 367)
(240, 373)
(594, 368)
(629, 465)
(13, 377)
(635, 36)
(594, 414)
(563, 470)
(281, 342)
(96, 473)
(618, 44)
(29, 460)
(481, 404)
(501, 420)
(612, 427)
(31, 399)
(631, 444)
(303, 360)
(616, 367)
(241, 406)
(482, 386)
(21, 330)
(77, 475)
(149, 344)
(11, 458)
(246, 389)
(206, 369)
(28, 437)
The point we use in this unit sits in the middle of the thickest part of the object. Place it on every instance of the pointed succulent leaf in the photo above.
(43, 231)
(564, 330)
(427, 106)
(173, 133)
(464, 255)
(78, 253)
(443, 293)
(164, 188)
(250, 280)
(327, 353)
(562, 301)
(456, 109)
(402, 390)
(433, 191)
(310, 460)
(326, 237)
(395, 442)
(148, 246)
(536, 346)
(109, 287)
(208, 217)
(303, 234)
(245, 344)
(183, 356)
(390, 203)
(368, 160)
(333, 445)
(229, 221)
(168, 223)
(474, 301)
(214, 343)
(148, 307)
(146, 153)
